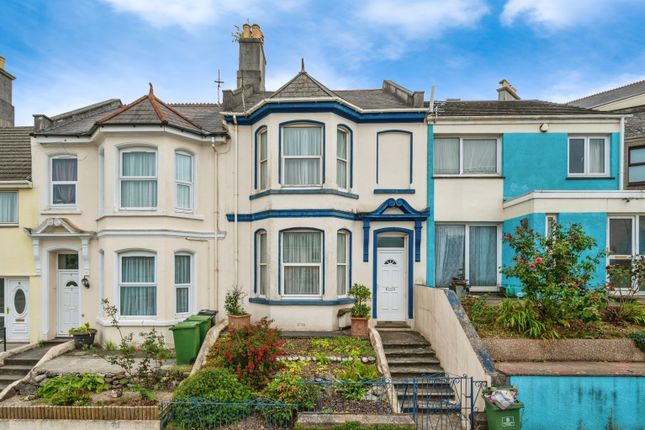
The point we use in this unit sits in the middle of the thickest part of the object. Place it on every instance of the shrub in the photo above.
(344, 346)
(639, 339)
(250, 352)
(353, 376)
(71, 390)
(480, 313)
(632, 312)
(361, 295)
(522, 317)
(233, 302)
(287, 388)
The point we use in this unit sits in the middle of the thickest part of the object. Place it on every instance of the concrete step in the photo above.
(408, 339)
(8, 379)
(391, 324)
(415, 370)
(399, 351)
(21, 361)
(393, 329)
(14, 369)
(412, 360)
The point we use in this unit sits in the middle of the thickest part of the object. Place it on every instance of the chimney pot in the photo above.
(246, 31)
(2, 62)
(506, 91)
(256, 33)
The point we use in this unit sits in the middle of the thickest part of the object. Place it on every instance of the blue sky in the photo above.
(70, 53)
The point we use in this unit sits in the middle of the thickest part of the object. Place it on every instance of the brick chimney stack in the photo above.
(252, 63)
(506, 91)
(7, 113)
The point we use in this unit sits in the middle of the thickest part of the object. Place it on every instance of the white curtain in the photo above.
(341, 160)
(301, 142)
(64, 170)
(341, 267)
(139, 193)
(483, 256)
(596, 155)
(449, 253)
(182, 282)
(262, 262)
(480, 156)
(302, 247)
(264, 164)
(184, 178)
(446, 156)
(138, 300)
(139, 164)
(8, 207)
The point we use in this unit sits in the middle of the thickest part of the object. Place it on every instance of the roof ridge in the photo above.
(153, 101)
(607, 91)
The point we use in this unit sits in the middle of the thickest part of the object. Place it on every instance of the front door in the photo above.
(16, 309)
(391, 276)
(69, 303)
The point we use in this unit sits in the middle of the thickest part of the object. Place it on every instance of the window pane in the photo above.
(637, 155)
(446, 156)
(302, 280)
(341, 144)
(264, 175)
(183, 197)
(341, 280)
(620, 236)
(182, 269)
(390, 241)
(302, 247)
(341, 173)
(263, 279)
(641, 235)
(596, 155)
(184, 167)
(302, 141)
(68, 261)
(139, 194)
(483, 256)
(636, 174)
(138, 269)
(302, 171)
(341, 248)
(138, 301)
(480, 156)
(64, 194)
(576, 155)
(8, 207)
(263, 146)
(138, 164)
(449, 251)
(262, 239)
(182, 299)
(64, 169)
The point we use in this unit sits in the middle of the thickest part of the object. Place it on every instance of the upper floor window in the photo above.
(466, 156)
(138, 178)
(8, 207)
(636, 173)
(342, 158)
(262, 262)
(302, 253)
(262, 155)
(588, 156)
(302, 155)
(184, 180)
(137, 284)
(64, 176)
(342, 263)
(183, 282)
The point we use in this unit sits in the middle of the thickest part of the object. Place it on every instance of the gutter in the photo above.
(469, 118)
(15, 184)
(621, 156)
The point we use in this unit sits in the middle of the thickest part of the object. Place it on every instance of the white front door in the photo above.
(69, 301)
(16, 310)
(391, 274)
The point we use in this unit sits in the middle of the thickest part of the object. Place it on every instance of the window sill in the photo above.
(301, 191)
(9, 225)
(62, 211)
(302, 302)
(468, 177)
(151, 214)
(577, 178)
(394, 191)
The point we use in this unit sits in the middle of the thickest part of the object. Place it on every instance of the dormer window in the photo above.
(138, 179)
(64, 176)
(302, 155)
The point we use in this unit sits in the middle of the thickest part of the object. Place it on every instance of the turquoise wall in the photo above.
(538, 161)
(430, 223)
(581, 402)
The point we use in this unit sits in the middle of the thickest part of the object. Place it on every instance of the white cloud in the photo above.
(559, 14)
(574, 85)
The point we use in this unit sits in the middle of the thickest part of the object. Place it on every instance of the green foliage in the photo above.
(480, 313)
(361, 295)
(85, 328)
(71, 390)
(522, 317)
(639, 339)
(109, 346)
(632, 312)
(287, 388)
(352, 376)
(233, 302)
(250, 352)
(345, 346)
(322, 358)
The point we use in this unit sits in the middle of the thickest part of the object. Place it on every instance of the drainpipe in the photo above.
(236, 194)
(621, 167)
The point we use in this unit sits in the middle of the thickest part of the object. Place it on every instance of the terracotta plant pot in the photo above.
(360, 327)
(236, 322)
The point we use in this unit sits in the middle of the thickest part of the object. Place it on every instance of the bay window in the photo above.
(588, 156)
(137, 284)
(467, 251)
(302, 155)
(184, 181)
(466, 156)
(183, 282)
(342, 263)
(8, 207)
(138, 178)
(262, 262)
(64, 176)
(342, 158)
(302, 253)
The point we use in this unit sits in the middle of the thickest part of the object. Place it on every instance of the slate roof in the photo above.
(15, 153)
(80, 121)
(629, 90)
(302, 85)
(372, 99)
(508, 108)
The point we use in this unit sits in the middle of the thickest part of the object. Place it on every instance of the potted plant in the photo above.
(360, 310)
(83, 335)
(237, 316)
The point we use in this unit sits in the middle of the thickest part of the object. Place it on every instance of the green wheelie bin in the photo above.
(186, 336)
(204, 325)
(503, 419)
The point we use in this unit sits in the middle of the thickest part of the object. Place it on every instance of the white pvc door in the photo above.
(391, 275)
(69, 302)
(17, 309)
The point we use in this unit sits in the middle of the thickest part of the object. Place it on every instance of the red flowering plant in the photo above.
(556, 272)
(250, 352)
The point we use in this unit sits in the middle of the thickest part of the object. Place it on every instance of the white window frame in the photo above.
(549, 221)
(498, 157)
(283, 157)
(17, 213)
(120, 283)
(262, 161)
(190, 285)
(319, 265)
(346, 263)
(190, 184)
(259, 263)
(467, 226)
(138, 178)
(635, 220)
(52, 182)
(345, 160)
(587, 173)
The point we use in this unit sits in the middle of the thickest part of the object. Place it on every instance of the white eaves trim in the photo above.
(164, 233)
(576, 195)
(6, 185)
(526, 119)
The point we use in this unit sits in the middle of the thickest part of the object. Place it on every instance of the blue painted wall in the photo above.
(538, 161)
(430, 223)
(581, 402)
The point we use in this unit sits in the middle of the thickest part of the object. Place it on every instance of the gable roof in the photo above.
(15, 154)
(456, 108)
(604, 97)
(302, 85)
